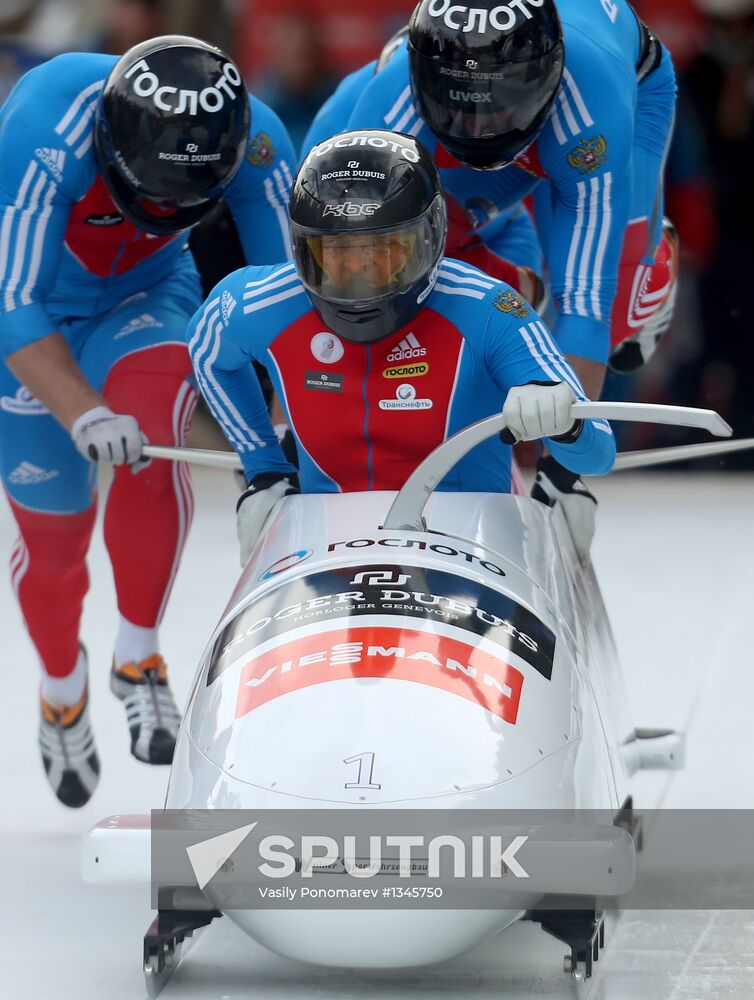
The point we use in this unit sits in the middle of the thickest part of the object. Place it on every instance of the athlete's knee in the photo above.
(640, 322)
(50, 578)
(523, 279)
(54, 545)
(141, 491)
(155, 386)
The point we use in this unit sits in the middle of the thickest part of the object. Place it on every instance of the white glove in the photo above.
(256, 503)
(102, 435)
(557, 485)
(535, 411)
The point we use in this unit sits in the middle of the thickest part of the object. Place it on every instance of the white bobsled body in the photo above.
(467, 666)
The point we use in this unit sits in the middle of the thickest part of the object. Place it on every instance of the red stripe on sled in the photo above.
(396, 653)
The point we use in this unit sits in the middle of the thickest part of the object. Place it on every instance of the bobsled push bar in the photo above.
(639, 412)
(682, 453)
(406, 511)
(197, 456)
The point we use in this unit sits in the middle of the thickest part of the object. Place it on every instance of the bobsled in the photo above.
(409, 651)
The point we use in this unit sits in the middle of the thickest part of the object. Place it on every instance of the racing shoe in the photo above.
(68, 751)
(153, 717)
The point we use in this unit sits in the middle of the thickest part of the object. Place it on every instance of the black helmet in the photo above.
(171, 131)
(368, 226)
(484, 77)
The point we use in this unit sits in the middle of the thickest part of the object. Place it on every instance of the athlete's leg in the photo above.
(51, 495)
(649, 260)
(508, 249)
(50, 488)
(148, 514)
(140, 362)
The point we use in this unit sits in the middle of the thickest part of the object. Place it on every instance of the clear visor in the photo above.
(483, 110)
(361, 266)
(479, 105)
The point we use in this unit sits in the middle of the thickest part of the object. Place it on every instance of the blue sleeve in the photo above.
(258, 194)
(385, 100)
(45, 167)
(223, 345)
(334, 114)
(518, 349)
(512, 236)
(585, 148)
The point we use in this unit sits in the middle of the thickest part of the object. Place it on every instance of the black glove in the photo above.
(554, 484)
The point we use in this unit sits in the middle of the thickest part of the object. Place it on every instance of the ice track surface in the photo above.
(675, 556)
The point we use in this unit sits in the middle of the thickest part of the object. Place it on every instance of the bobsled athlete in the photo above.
(572, 102)
(105, 165)
(379, 347)
(578, 93)
(502, 242)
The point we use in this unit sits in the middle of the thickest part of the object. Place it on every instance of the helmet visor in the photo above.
(504, 107)
(359, 267)
(159, 216)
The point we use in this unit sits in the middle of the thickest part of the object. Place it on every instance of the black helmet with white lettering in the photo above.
(171, 131)
(484, 76)
(368, 226)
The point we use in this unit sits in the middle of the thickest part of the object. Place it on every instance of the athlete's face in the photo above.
(365, 261)
(161, 210)
(471, 125)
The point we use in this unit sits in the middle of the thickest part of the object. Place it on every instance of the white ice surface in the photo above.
(675, 555)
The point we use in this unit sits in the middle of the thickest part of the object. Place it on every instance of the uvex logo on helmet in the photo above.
(504, 17)
(167, 98)
(408, 152)
(473, 96)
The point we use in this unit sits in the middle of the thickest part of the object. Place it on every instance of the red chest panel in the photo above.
(530, 162)
(369, 416)
(443, 159)
(103, 241)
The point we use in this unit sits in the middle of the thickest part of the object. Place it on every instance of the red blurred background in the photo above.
(349, 33)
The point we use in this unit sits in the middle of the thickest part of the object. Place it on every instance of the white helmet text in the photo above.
(503, 18)
(166, 98)
(375, 141)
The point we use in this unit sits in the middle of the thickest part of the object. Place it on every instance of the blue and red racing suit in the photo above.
(602, 150)
(364, 415)
(70, 262)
